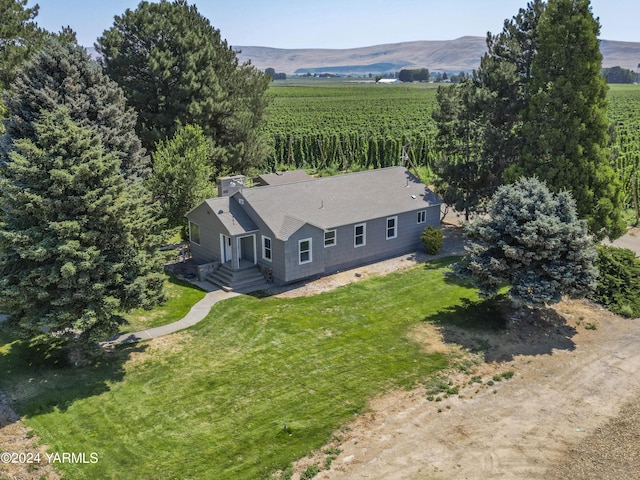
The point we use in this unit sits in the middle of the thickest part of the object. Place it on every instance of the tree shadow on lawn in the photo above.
(36, 381)
(492, 328)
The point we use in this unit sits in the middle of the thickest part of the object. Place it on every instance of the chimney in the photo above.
(227, 186)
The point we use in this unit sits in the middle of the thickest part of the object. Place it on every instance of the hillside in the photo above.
(440, 55)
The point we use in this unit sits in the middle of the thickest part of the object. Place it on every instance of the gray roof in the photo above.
(280, 178)
(231, 214)
(330, 202)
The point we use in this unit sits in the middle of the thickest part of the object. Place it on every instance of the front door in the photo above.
(226, 248)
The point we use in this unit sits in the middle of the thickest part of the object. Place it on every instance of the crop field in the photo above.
(334, 126)
(624, 115)
(344, 126)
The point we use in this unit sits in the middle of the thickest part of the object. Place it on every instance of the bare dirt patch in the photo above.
(524, 403)
(16, 438)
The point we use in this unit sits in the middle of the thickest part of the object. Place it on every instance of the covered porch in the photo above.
(238, 252)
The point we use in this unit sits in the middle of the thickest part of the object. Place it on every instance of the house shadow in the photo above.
(37, 381)
(495, 330)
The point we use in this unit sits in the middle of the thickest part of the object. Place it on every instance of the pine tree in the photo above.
(565, 122)
(175, 69)
(64, 74)
(77, 241)
(504, 76)
(182, 174)
(533, 242)
(464, 177)
(19, 35)
(478, 119)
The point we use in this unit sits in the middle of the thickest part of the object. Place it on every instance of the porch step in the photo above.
(246, 280)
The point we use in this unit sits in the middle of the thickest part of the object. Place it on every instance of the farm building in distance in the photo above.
(295, 226)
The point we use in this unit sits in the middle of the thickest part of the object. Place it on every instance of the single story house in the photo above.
(295, 226)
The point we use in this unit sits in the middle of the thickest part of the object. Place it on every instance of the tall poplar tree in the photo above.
(77, 241)
(565, 123)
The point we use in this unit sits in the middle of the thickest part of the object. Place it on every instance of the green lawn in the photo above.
(181, 296)
(212, 403)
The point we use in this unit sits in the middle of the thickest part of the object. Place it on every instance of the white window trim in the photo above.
(364, 235)
(264, 248)
(422, 216)
(395, 227)
(190, 237)
(300, 262)
(335, 238)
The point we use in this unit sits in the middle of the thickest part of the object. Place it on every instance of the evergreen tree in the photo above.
(504, 76)
(540, 110)
(565, 122)
(478, 120)
(19, 35)
(77, 242)
(533, 242)
(464, 178)
(182, 174)
(175, 70)
(63, 74)
(618, 286)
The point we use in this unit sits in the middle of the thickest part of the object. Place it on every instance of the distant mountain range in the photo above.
(451, 56)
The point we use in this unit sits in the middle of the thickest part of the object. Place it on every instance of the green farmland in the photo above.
(349, 126)
(624, 115)
(332, 126)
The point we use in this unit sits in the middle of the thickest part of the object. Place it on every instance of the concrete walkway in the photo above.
(195, 315)
(630, 240)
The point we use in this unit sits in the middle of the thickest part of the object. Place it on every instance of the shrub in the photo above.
(532, 241)
(618, 286)
(432, 239)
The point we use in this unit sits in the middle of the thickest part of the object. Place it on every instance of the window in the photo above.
(194, 232)
(329, 238)
(360, 235)
(304, 251)
(266, 248)
(392, 229)
(422, 216)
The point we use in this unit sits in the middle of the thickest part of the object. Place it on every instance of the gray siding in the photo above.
(284, 262)
(344, 254)
(277, 264)
(277, 246)
(292, 269)
(210, 228)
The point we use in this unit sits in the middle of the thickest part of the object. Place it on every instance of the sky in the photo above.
(335, 23)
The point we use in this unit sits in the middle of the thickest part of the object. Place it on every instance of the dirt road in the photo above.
(573, 373)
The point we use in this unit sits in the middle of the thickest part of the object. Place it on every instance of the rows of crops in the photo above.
(345, 126)
(348, 126)
(624, 115)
